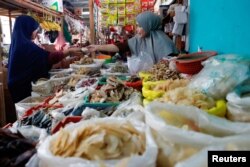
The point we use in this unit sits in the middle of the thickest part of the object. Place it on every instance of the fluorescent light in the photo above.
(85, 13)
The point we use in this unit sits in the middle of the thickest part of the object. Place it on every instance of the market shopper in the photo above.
(27, 61)
(150, 38)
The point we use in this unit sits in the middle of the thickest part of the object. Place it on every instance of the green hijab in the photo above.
(156, 43)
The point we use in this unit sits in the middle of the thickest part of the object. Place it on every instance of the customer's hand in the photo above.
(92, 48)
(75, 52)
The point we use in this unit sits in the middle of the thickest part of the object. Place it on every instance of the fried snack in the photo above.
(186, 96)
(99, 142)
(171, 84)
(85, 60)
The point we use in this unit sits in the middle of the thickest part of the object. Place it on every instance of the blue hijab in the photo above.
(27, 61)
(156, 43)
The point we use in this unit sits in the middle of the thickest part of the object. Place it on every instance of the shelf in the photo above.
(18, 7)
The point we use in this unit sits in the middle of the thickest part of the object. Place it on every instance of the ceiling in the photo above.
(17, 10)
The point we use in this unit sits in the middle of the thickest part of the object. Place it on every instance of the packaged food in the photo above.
(151, 3)
(144, 4)
(130, 1)
(121, 1)
(104, 8)
(130, 8)
(143, 9)
(104, 1)
(121, 9)
(112, 19)
(112, 1)
(130, 19)
(121, 21)
(113, 9)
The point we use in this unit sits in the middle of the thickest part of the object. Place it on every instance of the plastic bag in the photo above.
(234, 58)
(219, 78)
(131, 108)
(147, 159)
(200, 159)
(207, 124)
(141, 62)
(177, 145)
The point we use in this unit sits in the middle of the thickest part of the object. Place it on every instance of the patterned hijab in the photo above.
(156, 43)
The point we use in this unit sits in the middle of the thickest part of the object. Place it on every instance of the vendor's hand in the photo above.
(75, 52)
(92, 48)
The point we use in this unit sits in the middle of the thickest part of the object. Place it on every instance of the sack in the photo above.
(141, 62)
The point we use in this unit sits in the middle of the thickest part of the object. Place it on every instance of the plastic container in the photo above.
(104, 105)
(219, 110)
(60, 71)
(136, 85)
(26, 104)
(100, 56)
(103, 80)
(144, 75)
(191, 63)
(150, 94)
(42, 88)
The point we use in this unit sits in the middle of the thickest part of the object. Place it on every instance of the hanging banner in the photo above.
(56, 5)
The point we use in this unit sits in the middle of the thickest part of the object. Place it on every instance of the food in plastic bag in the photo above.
(178, 120)
(171, 84)
(141, 62)
(99, 142)
(233, 58)
(108, 140)
(218, 79)
(177, 145)
(187, 96)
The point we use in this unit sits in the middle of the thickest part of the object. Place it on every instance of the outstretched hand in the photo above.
(75, 52)
(92, 48)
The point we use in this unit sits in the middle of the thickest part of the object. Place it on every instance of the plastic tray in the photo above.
(103, 80)
(107, 72)
(26, 104)
(98, 105)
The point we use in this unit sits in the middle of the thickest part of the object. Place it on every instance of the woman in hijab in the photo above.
(150, 38)
(27, 61)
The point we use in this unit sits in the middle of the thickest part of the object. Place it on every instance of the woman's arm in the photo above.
(55, 57)
(107, 48)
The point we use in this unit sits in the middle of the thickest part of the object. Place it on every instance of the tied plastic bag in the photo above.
(141, 62)
(218, 78)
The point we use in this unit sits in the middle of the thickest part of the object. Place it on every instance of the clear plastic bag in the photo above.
(178, 145)
(141, 62)
(147, 159)
(218, 78)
